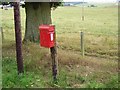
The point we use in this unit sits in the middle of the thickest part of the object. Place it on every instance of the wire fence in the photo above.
(88, 33)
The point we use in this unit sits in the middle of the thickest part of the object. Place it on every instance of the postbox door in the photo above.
(47, 37)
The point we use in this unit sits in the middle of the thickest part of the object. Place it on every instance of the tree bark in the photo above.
(37, 13)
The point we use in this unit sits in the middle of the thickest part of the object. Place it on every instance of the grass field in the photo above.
(99, 67)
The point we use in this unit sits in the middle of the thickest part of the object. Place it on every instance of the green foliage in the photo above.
(10, 76)
(80, 78)
(113, 82)
(5, 3)
(94, 84)
(0, 2)
(62, 79)
(56, 4)
(52, 4)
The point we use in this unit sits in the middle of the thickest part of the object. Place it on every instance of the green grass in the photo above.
(100, 28)
(40, 78)
(97, 20)
(99, 67)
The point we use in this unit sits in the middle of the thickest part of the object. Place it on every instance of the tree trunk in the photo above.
(37, 13)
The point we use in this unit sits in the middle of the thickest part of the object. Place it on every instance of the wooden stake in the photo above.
(83, 11)
(54, 60)
(82, 43)
(2, 33)
(18, 37)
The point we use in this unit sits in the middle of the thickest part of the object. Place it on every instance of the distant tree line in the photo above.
(6, 3)
(52, 4)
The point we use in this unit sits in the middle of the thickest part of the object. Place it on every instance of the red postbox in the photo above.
(47, 35)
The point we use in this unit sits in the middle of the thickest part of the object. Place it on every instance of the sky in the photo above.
(98, 1)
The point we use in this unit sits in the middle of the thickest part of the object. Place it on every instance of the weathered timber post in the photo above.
(54, 60)
(83, 11)
(2, 33)
(18, 37)
(82, 43)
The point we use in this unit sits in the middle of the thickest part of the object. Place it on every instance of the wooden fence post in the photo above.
(0, 59)
(2, 33)
(82, 43)
(18, 37)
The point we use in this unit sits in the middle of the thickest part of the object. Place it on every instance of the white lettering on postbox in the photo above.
(51, 36)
